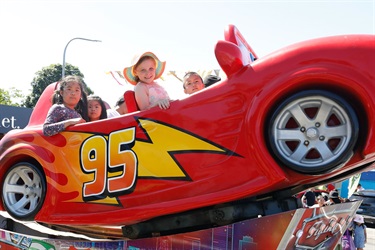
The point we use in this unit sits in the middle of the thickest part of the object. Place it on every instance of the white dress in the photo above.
(112, 113)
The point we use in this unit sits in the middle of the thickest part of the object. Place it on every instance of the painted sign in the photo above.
(12, 117)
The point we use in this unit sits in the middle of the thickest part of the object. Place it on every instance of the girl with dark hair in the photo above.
(96, 108)
(69, 106)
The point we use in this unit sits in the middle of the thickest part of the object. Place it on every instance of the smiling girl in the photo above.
(145, 69)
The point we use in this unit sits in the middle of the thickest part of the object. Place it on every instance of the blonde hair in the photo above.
(141, 60)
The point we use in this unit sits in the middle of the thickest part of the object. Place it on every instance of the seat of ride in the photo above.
(130, 101)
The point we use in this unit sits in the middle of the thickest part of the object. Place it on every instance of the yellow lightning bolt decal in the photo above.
(154, 156)
(150, 153)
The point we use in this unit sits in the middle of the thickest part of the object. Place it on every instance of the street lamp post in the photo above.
(80, 38)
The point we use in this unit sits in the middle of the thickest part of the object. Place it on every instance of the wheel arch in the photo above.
(348, 95)
(36, 168)
(321, 162)
(18, 159)
(349, 85)
(348, 80)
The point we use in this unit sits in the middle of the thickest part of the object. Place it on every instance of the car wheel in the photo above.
(313, 131)
(24, 189)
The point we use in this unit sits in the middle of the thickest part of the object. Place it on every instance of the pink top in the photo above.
(155, 92)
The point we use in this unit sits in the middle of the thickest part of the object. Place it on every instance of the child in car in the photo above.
(69, 106)
(143, 72)
(96, 108)
(192, 82)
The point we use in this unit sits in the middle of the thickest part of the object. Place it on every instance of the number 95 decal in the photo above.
(111, 162)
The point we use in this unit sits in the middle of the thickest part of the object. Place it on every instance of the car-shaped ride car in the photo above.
(299, 117)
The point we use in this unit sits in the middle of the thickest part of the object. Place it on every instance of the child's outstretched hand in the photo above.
(74, 121)
(164, 104)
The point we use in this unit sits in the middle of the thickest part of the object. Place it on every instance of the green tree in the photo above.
(7, 97)
(46, 76)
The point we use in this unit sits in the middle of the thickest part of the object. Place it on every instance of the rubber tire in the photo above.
(282, 117)
(31, 191)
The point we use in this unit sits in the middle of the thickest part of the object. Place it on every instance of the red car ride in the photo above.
(297, 118)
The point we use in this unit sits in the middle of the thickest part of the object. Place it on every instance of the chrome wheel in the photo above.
(23, 191)
(313, 131)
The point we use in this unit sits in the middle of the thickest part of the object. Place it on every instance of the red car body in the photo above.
(233, 140)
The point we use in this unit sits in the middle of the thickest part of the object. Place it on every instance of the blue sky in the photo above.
(183, 33)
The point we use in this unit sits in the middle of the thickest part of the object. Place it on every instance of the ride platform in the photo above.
(304, 228)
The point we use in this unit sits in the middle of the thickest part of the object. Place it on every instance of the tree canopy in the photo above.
(9, 97)
(46, 76)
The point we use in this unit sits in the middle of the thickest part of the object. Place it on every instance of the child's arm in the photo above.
(351, 226)
(73, 121)
(55, 128)
(141, 96)
(53, 124)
